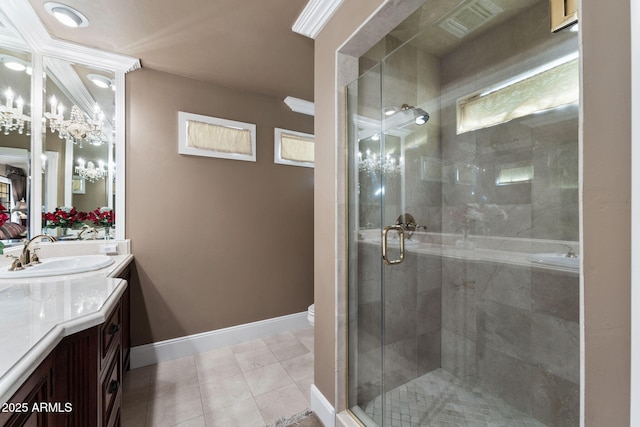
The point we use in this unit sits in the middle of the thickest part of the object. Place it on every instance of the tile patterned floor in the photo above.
(249, 384)
(440, 399)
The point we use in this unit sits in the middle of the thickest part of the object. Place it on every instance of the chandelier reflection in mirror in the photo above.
(371, 164)
(13, 118)
(91, 173)
(79, 127)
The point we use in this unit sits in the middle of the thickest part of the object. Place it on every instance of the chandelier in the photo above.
(91, 173)
(79, 127)
(12, 118)
(372, 164)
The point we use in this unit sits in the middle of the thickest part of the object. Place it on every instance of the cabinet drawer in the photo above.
(110, 334)
(111, 392)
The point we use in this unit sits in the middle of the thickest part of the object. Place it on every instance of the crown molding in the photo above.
(90, 56)
(300, 105)
(10, 39)
(314, 16)
(25, 22)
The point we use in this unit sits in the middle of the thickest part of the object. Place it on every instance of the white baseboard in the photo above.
(153, 353)
(322, 407)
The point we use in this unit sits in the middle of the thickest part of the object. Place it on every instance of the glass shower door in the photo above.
(366, 195)
(463, 225)
(394, 294)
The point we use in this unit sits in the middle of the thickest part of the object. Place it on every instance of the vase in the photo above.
(107, 233)
(466, 242)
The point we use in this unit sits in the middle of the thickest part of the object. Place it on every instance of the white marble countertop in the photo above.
(36, 314)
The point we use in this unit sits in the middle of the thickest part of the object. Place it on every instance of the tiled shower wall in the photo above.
(510, 329)
(412, 320)
(514, 331)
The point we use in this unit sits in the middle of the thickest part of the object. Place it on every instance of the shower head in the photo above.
(420, 116)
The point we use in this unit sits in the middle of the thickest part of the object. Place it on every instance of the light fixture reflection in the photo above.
(100, 80)
(90, 172)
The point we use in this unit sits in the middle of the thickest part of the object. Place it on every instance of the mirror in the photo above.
(55, 174)
(78, 147)
(15, 143)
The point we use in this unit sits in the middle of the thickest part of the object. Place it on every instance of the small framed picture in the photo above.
(78, 185)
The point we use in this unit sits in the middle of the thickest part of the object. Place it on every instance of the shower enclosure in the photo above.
(463, 221)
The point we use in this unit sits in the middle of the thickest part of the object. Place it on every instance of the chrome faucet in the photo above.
(87, 229)
(25, 258)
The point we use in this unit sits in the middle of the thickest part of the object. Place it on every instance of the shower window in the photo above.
(543, 88)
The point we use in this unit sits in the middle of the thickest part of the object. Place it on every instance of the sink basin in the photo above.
(557, 259)
(59, 266)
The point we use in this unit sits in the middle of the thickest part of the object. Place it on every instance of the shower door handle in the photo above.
(385, 232)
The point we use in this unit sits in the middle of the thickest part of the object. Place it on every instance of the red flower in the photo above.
(102, 217)
(61, 217)
(3, 215)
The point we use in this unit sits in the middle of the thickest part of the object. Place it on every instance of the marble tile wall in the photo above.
(545, 207)
(410, 319)
(514, 332)
(408, 76)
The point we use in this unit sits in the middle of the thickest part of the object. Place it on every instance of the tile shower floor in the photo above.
(440, 399)
(245, 385)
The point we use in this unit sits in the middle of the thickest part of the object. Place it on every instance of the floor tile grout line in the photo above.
(200, 374)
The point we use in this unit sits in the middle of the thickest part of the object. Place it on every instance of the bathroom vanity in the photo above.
(65, 345)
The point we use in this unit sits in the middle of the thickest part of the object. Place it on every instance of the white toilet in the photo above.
(311, 314)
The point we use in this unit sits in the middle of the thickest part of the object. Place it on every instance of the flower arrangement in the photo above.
(4, 217)
(102, 217)
(63, 217)
(69, 217)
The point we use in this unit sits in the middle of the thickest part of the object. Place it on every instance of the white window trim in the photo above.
(184, 148)
(278, 148)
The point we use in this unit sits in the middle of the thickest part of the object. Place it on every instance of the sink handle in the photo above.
(570, 253)
(16, 265)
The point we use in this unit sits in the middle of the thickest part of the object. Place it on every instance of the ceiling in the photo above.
(247, 45)
(428, 28)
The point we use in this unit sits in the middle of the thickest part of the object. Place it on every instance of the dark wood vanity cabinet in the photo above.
(80, 383)
(19, 410)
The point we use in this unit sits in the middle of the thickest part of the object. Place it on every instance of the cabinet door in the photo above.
(24, 408)
(126, 317)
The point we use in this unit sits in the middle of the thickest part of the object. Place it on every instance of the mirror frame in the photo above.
(21, 19)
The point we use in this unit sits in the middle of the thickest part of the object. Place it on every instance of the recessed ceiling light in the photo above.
(389, 111)
(100, 80)
(13, 63)
(16, 66)
(66, 15)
